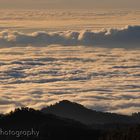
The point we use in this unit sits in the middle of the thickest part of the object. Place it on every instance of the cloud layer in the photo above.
(128, 36)
(99, 78)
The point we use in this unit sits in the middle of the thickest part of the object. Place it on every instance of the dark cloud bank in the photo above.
(128, 36)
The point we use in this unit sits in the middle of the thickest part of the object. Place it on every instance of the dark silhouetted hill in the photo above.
(130, 133)
(50, 127)
(63, 125)
(67, 109)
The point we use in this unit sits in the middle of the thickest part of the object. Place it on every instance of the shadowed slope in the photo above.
(49, 126)
(78, 112)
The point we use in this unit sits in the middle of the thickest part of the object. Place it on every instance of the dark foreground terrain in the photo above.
(68, 121)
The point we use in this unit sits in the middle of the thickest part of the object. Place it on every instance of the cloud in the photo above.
(129, 35)
(99, 78)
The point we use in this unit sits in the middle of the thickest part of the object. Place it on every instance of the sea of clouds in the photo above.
(104, 79)
(101, 78)
(126, 37)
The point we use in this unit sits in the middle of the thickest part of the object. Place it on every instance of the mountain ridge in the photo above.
(53, 127)
(78, 112)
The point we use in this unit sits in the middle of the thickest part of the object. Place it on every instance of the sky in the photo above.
(51, 4)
